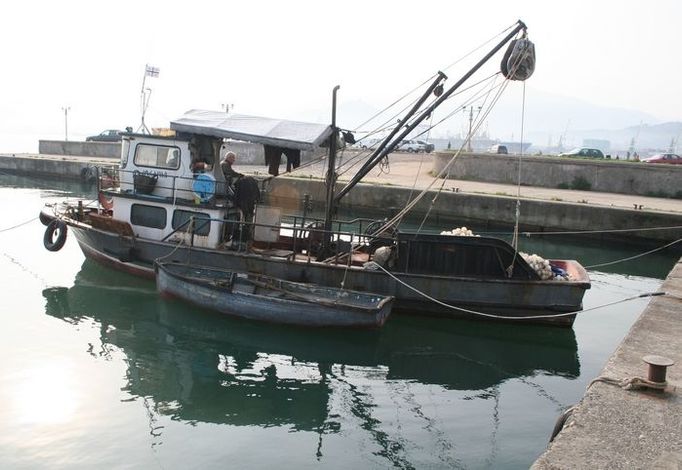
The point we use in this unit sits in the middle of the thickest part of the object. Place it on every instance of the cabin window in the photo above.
(157, 156)
(148, 216)
(202, 222)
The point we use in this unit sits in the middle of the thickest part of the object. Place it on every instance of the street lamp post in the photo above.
(471, 120)
(66, 122)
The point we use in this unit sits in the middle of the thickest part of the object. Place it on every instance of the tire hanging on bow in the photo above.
(55, 235)
(518, 62)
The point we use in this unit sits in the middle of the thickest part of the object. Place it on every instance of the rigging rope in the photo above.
(352, 162)
(446, 168)
(517, 213)
(461, 148)
(434, 75)
(518, 176)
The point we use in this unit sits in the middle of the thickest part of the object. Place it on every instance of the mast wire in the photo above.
(434, 75)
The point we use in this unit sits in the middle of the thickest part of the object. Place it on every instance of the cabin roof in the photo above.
(261, 130)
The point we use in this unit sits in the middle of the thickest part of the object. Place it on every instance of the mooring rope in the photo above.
(635, 256)
(508, 317)
(19, 225)
(629, 383)
(582, 232)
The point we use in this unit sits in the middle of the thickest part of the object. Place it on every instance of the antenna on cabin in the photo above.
(145, 96)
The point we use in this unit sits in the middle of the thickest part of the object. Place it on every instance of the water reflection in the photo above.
(197, 366)
(49, 186)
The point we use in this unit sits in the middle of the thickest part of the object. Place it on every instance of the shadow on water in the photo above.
(200, 366)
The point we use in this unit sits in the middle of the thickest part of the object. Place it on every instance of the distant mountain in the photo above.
(548, 118)
(551, 114)
(647, 138)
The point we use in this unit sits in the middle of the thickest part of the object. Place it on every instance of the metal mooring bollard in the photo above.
(658, 366)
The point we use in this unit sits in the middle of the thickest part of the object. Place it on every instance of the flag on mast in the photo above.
(151, 71)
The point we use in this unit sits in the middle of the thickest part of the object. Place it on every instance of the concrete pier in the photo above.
(615, 428)
(75, 168)
(603, 175)
(461, 202)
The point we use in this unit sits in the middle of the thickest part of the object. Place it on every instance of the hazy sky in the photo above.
(282, 58)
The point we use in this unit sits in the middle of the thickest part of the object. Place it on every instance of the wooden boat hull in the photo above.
(264, 298)
(515, 298)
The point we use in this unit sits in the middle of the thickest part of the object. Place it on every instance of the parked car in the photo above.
(110, 135)
(414, 146)
(498, 148)
(669, 158)
(428, 145)
(367, 144)
(583, 152)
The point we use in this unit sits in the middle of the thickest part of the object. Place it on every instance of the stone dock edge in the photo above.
(617, 428)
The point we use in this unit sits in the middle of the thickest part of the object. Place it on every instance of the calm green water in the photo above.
(99, 372)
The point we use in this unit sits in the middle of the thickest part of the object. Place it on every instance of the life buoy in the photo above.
(55, 235)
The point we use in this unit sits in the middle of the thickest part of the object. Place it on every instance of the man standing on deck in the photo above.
(226, 165)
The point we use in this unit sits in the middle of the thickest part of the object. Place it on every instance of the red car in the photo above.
(670, 158)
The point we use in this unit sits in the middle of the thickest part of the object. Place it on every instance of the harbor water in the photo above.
(99, 372)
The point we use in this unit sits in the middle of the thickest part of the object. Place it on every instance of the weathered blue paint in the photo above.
(259, 297)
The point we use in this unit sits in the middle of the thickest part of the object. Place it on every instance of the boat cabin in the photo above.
(173, 188)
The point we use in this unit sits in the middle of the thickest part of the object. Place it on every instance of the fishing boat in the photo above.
(265, 298)
(163, 205)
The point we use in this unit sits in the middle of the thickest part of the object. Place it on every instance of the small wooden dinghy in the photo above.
(260, 297)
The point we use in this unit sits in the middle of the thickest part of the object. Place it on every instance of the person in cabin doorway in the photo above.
(228, 172)
(203, 154)
(200, 164)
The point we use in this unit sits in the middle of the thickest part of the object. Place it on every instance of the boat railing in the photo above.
(293, 239)
(164, 186)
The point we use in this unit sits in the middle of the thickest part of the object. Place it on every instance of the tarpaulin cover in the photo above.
(261, 130)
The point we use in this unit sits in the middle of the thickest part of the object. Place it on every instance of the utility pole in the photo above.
(66, 121)
(471, 120)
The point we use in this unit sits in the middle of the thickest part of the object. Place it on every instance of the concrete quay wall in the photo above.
(67, 167)
(253, 154)
(80, 149)
(450, 209)
(609, 176)
(247, 153)
(616, 428)
(483, 210)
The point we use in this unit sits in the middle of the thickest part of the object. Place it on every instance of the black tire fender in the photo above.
(89, 174)
(561, 422)
(45, 219)
(55, 235)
